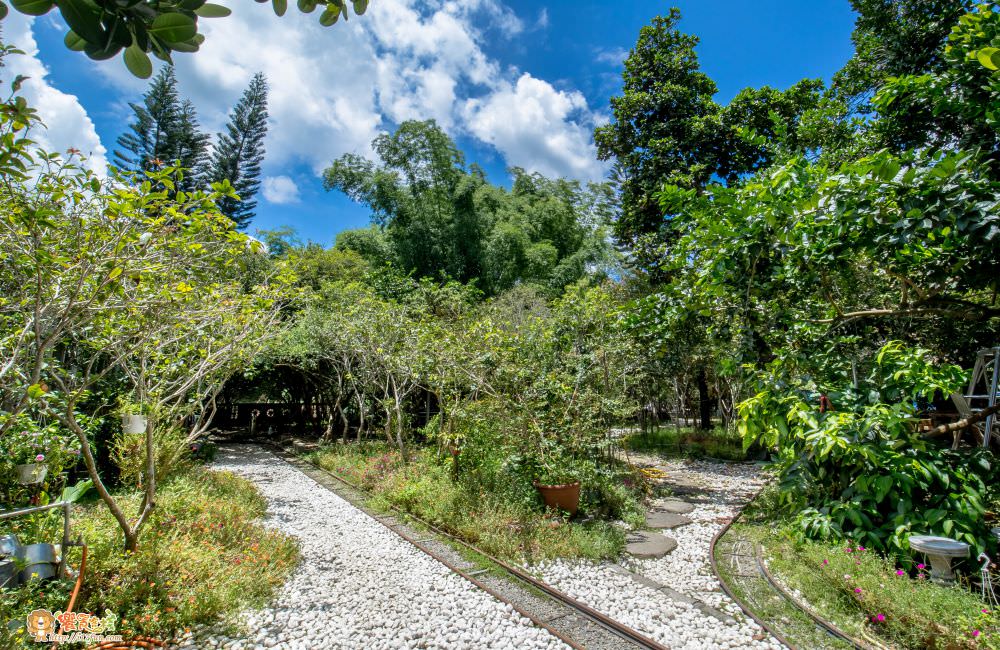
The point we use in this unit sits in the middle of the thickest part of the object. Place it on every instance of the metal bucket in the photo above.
(9, 545)
(40, 562)
(8, 574)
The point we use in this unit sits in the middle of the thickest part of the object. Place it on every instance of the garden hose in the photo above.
(76, 587)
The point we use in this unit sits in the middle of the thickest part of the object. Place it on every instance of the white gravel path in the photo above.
(725, 488)
(359, 584)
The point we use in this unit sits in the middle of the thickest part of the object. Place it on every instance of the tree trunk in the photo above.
(131, 538)
(361, 414)
(343, 421)
(399, 422)
(704, 405)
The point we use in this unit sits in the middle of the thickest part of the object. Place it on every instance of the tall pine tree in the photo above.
(165, 132)
(240, 150)
(148, 144)
(190, 147)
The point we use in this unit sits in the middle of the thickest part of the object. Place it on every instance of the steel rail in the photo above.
(613, 626)
(826, 626)
(725, 587)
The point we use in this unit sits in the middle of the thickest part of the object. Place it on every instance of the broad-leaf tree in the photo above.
(104, 28)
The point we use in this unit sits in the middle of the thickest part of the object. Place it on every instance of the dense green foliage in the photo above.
(127, 295)
(444, 220)
(863, 472)
(523, 388)
(857, 273)
(667, 128)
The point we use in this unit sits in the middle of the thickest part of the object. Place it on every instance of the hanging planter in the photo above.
(31, 473)
(134, 423)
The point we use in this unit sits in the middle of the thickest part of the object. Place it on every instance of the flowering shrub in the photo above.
(896, 602)
(205, 555)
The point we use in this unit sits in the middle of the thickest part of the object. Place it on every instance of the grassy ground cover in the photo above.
(869, 596)
(201, 559)
(508, 529)
(720, 442)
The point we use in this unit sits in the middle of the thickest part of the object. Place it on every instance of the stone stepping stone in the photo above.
(647, 545)
(663, 519)
(675, 506)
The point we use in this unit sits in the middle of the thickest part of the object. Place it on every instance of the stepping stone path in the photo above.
(662, 519)
(649, 545)
(676, 506)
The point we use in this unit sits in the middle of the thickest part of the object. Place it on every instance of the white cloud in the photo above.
(538, 127)
(615, 56)
(67, 124)
(280, 190)
(543, 19)
(333, 89)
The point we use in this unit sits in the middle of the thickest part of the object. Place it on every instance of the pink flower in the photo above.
(900, 572)
(861, 548)
(857, 590)
(847, 576)
(878, 618)
(921, 566)
(848, 549)
(825, 562)
(986, 611)
(975, 633)
(39, 458)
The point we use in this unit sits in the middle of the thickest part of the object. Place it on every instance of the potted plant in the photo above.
(32, 473)
(558, 483)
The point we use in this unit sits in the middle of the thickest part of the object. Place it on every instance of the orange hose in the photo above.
(76, 588)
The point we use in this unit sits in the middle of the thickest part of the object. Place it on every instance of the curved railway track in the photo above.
(574, 622)
(744, 564)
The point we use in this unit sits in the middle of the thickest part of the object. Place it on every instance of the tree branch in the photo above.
(964, 423)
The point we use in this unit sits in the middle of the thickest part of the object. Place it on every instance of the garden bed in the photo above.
(862, 593)
(508, 529)
(202, 557)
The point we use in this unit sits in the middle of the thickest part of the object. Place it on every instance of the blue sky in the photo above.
(516, 83)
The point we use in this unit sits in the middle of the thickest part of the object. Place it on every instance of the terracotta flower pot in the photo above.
(564, 497)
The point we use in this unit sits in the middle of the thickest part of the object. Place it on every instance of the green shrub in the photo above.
(863, 472)
(502, 522)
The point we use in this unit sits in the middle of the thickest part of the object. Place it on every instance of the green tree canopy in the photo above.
(440, 218)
